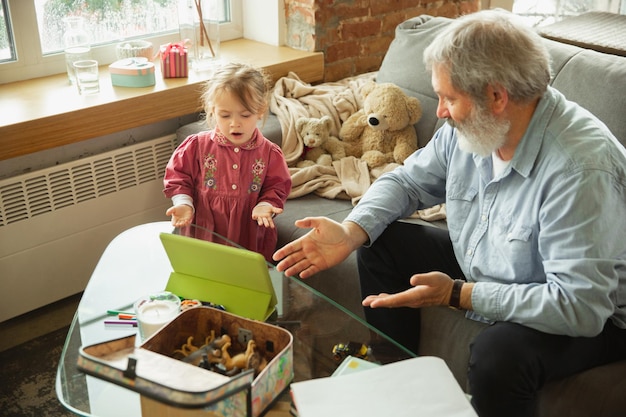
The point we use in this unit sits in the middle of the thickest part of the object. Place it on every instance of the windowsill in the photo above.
(48, 112)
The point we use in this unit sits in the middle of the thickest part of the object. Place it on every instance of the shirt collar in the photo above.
(528, 149)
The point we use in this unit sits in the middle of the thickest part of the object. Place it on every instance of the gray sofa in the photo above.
(595, 80)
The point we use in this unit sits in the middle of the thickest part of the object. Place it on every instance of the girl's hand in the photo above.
(182, 215)
(264, 214)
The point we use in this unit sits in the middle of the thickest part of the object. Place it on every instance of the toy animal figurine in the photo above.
(342, 350)
(214, 355)
(250, 359)
(212, 348)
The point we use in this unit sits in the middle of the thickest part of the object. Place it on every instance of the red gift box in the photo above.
(174, 60)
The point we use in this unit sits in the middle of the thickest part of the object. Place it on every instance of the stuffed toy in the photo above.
(382, 131)
(320, 147)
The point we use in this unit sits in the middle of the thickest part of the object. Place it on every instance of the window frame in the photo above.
(31, 63)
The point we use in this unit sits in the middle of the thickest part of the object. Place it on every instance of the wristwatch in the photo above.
(455, 296)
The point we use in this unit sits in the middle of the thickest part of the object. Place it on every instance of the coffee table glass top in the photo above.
(135, 263)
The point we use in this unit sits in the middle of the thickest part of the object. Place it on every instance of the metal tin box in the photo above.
(171, 387)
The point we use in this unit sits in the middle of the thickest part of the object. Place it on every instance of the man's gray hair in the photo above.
(492, 47)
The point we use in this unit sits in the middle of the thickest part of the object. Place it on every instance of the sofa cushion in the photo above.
(404, 67)
(597, 82)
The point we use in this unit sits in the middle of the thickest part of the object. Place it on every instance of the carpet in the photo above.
(27, 377)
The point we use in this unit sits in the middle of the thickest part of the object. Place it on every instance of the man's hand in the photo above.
(429, 289)
(326, 245)
(182, 215)
(264, 214)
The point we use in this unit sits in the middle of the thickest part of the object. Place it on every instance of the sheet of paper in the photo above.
(422, 386)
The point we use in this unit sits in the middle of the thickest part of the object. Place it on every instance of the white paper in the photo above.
(416, 387)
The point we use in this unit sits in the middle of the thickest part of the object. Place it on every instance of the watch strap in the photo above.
(455, 296)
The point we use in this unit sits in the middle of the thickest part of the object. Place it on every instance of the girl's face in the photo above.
(232, 118)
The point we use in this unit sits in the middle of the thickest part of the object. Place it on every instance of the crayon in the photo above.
(130, 323)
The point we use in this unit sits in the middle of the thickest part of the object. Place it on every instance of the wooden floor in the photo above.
(36, 323)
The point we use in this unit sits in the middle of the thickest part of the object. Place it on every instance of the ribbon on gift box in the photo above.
(174, 59)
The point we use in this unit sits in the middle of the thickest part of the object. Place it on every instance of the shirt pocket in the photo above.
(518, 233)
(518, 251)
(459, 205)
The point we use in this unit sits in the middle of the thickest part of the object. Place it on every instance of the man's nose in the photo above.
(442, 110)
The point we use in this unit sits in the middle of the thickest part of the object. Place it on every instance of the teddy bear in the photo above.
(382, 131)
(320, 147)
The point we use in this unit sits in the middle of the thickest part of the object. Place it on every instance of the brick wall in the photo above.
(355, 34)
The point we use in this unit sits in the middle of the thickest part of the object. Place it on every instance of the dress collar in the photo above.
(253, 143)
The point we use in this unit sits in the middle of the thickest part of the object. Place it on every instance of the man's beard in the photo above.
(481, 132)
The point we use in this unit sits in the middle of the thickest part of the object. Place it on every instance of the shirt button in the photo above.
(236, 150)
(234, 186)
(483, 218)
(469, 252)
(235, 166)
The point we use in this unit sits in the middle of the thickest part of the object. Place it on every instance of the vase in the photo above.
(199, 26)
(76, 43)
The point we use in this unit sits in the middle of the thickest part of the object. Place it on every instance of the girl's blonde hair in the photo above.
(250, 85)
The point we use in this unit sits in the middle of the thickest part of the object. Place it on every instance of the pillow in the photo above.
(403, 65)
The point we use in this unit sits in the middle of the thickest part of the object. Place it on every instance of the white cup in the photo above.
(154, 311)
(87, 77)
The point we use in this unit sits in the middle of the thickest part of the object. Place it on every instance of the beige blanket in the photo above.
(347, 178)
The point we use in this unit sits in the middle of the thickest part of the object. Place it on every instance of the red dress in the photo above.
(226, 181)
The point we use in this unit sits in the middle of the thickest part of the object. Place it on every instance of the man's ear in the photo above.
(497, 97)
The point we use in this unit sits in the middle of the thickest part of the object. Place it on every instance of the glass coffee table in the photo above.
(135, 263)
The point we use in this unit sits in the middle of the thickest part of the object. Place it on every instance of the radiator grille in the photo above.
(51, 189)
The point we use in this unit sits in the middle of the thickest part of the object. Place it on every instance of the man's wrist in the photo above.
(358, 236)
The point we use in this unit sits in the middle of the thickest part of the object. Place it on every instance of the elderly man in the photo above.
(535, 190)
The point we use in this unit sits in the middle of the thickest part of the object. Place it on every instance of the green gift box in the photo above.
(132, 72)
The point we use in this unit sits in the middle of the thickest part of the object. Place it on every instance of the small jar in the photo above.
(134, 49)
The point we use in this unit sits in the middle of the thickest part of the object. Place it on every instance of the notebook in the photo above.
(236, 278)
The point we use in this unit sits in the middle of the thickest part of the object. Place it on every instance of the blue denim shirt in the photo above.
(545, 241)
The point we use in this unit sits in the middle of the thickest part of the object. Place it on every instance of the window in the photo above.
(7, 51)
(33, 44)
(544, 12)
(106, 21)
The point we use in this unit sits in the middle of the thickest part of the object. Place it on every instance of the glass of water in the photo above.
(87, 76)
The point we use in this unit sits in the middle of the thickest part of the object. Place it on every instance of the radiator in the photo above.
(56, 222)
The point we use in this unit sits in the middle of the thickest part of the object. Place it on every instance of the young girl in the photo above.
(231, 180)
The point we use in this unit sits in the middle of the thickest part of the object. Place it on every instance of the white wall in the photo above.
(264, 21)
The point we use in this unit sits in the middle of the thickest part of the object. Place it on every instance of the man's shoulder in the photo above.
(582, 139)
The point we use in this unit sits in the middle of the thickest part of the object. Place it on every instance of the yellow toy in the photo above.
(320, 147)
(382, 131)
